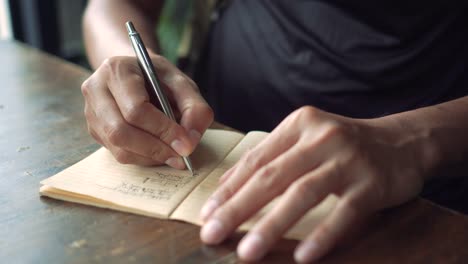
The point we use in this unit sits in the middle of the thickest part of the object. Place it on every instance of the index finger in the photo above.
(196, 114)
(127, 86)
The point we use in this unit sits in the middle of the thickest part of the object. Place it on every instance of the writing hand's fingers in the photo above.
(350, 209)
(105, 119)
(89, 113)
(127, 86)
(196, 114)
(139, 142)
(301, 196)
(275, 144)
(127, 157)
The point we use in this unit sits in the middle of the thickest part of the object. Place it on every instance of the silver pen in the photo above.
(148, 69)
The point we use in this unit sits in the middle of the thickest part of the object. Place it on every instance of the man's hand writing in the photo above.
(120, 116)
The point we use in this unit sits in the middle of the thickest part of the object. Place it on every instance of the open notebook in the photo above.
(163, 192)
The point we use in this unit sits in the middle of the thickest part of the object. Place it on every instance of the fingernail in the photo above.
(305, 252)
(212, 232)
(195, 136)
(251, 247)
(176, 162)
(208, 208)
(180, 148)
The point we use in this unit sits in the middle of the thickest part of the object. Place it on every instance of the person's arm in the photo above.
(118, 110)
(104, 27)
(442, 131)
(369, 164)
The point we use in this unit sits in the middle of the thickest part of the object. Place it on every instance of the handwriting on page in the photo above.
(161, 186)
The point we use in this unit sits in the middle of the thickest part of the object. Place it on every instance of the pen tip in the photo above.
(188, 165)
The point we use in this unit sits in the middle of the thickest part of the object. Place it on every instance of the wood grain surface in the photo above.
(43, 131)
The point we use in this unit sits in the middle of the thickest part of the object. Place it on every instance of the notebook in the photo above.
(163, 192)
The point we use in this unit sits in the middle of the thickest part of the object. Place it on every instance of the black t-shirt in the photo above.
(364, 58)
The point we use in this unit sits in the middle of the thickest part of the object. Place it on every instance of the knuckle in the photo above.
(225, 192)
(337, 168)
(167, 132)
(252, 161)
(115, 133)
(164, 133)
(180, 80)
(304, 152)
(267, 176)
(301, 188)
(323, 231)
(303, 115)
(308, 112)
(378, 190)
(335, 130)
(155, 153)
(113, 64)
(122, 156)
(207, 112)
(137, 80)
(133, 112)
(160, 154)
(332, 131)
(339, 174)
(351, 155)
(85, 88)
(110, 62)
(228, 192)
(352, 205)
(266, 172)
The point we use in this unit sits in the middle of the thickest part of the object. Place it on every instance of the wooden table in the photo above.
(43, 131)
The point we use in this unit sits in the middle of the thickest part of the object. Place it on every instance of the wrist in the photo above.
(415, 140)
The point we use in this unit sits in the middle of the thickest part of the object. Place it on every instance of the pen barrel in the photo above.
(147, 67)
(150, 75)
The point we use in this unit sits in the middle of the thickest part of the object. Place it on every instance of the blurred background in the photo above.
(54, 26)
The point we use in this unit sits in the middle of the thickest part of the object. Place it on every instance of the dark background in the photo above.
(53, 26)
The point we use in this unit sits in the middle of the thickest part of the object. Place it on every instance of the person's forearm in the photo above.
(104, 29)
(440, 134)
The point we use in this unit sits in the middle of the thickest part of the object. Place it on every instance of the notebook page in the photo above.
(189, 209)
(155, 191)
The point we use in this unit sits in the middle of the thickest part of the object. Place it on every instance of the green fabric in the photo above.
(175, 15)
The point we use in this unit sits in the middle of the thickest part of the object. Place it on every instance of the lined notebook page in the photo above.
(101, 181)
(189, 209)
